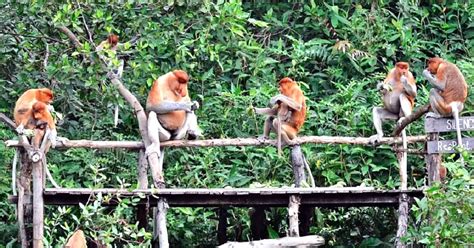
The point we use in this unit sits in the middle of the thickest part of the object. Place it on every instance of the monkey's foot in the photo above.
(194, 134)
(262, 138)
(20, 129)
(375, 139)
(433, 115)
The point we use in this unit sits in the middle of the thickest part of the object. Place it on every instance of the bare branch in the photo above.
(85, 24)
(72, 37)
(7, 121)
(411, 118)
(135, 145)
(46, 56)
(17, 35)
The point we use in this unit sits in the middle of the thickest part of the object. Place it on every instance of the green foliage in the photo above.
(235, 52)
(445, 215)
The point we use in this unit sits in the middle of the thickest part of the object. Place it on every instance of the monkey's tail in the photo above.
(310, 174)
(279, 136)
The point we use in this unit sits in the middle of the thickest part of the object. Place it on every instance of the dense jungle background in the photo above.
(235, 52)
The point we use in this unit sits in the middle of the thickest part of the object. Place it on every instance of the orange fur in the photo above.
(77, 240)
(112, 39)
(456, 87)
(290, 88)
(401, 68)
(24, 108)
(173, 86)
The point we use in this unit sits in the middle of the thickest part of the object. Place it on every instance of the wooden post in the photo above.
(433, 161)
(305, 212)
(403, 200)
(38, 206)
(24, 210)
(222, 226)
(142, 211)
(293, 208)
(402, 219)
(162, 231)
(258, 223)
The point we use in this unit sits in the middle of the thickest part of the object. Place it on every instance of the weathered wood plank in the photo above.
(439, 125)
(447, 146)
(190, 198)
(312, 241)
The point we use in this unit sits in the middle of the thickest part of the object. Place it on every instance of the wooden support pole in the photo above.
(222, 226)
(403, 210)
(433, 161)
(306, 213)
(142, 211)
(258, 223)
(293, 209)
(161, 232)
(38, 206)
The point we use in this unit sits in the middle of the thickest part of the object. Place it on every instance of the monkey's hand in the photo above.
(195, 105)
(20, 129)
(265, 111)
(427, 74)
(53, 135)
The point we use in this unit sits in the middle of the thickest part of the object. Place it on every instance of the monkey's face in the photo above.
(433, 65)
(180, 89)
(402, 68)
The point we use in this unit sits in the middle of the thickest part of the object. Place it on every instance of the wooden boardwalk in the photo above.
(238, 197)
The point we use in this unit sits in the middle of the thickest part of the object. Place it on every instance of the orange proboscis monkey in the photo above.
(169, 103)
(32, 112)
(111, 44)
(449, 91)
(286, 114)
(77, 240)
(398, 93)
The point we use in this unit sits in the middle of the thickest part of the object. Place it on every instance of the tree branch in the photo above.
(411, 118)
(72, 37)
(7, 121)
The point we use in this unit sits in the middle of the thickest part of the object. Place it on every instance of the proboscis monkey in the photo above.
(398, 93)
(286, 114)
(77, 240)
(32, 112)
(107, 50)
(169, 103)
(449, 91)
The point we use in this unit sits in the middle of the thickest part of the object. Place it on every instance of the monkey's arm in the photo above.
(267, 111)
(169, 106)
(439, 83)
(410, 89)
(286, 100)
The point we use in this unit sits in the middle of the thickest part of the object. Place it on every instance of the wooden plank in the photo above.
(447, 146)
(439, 125)
(191, 198)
